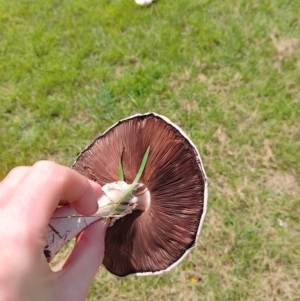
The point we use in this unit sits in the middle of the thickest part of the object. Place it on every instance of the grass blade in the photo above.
(137, 178)
(121, 172)
(142, 167)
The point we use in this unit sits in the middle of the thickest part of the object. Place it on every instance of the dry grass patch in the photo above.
(285, 47)
(283, 182)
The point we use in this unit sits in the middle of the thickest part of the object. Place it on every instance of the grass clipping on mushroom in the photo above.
(174, 184)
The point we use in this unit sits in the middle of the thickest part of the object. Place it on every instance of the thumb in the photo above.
(87, 255)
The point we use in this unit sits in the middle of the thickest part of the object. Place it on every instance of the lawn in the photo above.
(227, 72)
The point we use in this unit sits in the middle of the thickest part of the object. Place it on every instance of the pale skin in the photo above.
(28, 198)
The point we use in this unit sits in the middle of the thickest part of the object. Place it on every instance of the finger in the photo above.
(11, 183)
(97, 188)
(85, 259)
(47, 183)
(81, 206)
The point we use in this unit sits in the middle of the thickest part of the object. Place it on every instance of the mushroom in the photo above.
(143, 2)
(173, 185)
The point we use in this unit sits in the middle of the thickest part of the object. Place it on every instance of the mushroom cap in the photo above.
(143, 2)
(154, 241)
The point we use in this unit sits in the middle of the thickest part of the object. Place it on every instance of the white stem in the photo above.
(66, 223)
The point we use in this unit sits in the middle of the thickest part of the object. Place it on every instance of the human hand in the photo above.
(28, 198)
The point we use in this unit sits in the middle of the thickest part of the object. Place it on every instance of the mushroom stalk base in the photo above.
(66, 223)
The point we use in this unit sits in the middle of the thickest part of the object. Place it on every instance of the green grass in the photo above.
(227, 72)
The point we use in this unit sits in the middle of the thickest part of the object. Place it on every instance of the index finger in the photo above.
(33, 204)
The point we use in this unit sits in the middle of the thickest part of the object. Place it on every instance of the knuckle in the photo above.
(44, 164)
(46, 168)
(17, 170)
(59, 176)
